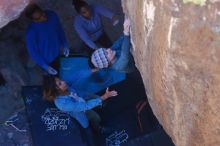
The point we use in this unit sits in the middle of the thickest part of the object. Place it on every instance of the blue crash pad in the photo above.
(76, 70)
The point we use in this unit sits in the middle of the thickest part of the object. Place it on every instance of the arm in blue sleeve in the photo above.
(84, 35)
(103, 11)
(61, 33)
(125, 51)
(32, 49)
(86, 95)
(118, 43)
(69, 105)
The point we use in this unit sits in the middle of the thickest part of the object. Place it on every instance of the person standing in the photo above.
(89, 26)
(45, 38)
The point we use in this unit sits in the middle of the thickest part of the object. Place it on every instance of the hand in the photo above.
(127, 25)
(66, 52)
(51, 71)
(115, 20)
(109, 94)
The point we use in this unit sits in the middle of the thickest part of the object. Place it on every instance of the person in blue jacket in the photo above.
(89, 26)
(45, 38)
(76, 103)
(118, 56)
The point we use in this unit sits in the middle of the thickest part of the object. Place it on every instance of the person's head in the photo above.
(35, 13)
(103, 58)
(53, 87)
(82, 8)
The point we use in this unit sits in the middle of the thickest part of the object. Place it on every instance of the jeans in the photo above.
(125, 61)
(94, 119)
(89, 137)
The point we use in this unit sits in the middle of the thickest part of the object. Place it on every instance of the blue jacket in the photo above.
(124, 59)
(45, 40)
(75, 104)
(90, 30)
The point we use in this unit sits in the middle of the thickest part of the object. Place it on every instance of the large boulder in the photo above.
(176, 48)
(10, 10)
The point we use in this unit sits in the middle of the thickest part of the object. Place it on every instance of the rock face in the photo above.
(11, 9)
(176, 48)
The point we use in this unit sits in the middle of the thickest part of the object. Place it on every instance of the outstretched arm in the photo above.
(84, 35)
(68, 105)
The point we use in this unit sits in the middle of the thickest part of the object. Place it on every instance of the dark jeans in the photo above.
(103, 41)
(125, 62)
(94, 119)
(89, 137)
(86, 134)
(95, 122)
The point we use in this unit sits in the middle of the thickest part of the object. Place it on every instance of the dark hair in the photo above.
(78, 4)
(50, 91)
(91, 65)
(31, 9)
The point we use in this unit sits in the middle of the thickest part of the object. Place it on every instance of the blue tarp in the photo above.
(74, 70)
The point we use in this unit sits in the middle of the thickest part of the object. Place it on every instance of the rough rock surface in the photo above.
(176, 48)
(10, 10)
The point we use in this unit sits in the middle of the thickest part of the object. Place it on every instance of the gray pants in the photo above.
(94, 119)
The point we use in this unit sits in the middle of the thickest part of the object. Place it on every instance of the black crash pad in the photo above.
(49, 126)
